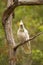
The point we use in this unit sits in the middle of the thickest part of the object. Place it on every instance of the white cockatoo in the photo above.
(23, 35)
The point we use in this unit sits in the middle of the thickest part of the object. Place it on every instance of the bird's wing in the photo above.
(26, 47)
(26, 34)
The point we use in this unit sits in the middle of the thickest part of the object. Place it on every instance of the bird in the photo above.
(23, 36)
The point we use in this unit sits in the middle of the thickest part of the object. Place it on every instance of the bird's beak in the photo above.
(21, 25)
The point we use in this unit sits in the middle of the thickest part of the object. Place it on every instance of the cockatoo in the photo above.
(23, 35)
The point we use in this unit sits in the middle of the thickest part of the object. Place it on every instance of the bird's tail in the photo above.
(27, 48)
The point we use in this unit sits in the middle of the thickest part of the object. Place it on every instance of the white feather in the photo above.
(23, 35)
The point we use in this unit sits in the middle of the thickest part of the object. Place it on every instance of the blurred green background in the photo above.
(32, 17)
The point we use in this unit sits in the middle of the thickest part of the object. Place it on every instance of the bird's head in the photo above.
(21, 24)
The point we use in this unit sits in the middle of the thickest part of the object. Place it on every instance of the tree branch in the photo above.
(20, 44)
(7, 13)
(29, 3)
(11, 8)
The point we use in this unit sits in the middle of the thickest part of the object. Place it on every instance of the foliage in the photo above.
(37, 56)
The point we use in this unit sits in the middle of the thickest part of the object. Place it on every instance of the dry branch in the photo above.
(15, 48)
(11, 8)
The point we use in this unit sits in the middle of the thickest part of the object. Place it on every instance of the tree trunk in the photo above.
(9, 36)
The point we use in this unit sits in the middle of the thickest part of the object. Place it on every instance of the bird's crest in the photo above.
(21, 22)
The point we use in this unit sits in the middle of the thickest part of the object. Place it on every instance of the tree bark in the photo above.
(9, 36)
